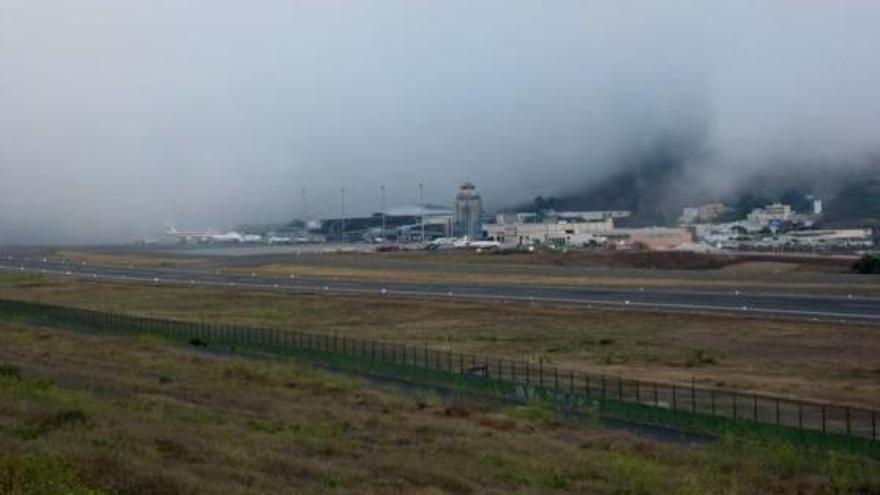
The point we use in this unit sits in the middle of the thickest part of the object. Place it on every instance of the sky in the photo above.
(117, 116)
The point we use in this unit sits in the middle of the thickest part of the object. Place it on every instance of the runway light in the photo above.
(384, 291)
(449, 293)
(626, 302)
(744, 308)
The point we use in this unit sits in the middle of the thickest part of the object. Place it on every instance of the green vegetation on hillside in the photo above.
(88, 414)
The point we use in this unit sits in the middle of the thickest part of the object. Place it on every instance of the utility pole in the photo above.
(422, 208)
(342, 230)
(382, 188)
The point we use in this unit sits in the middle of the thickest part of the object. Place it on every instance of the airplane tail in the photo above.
(171, 228)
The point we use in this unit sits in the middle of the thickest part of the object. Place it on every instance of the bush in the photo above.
(867, 264)
(9, 371)
(27, 474)
(45, 423)
(698, 358)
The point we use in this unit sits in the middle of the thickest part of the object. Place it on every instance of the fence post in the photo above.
(555, 378)
(656, 395)
(571, 382)
(777, 412)
(800, 416)
(755, 405)
(733, 395)
(873, 424)
(848, 430)
(823, 418)
(693, 396)
(712, 394)
(528, 379)
(541, 371)
(674, 398)
(602, 377)
(620, 389)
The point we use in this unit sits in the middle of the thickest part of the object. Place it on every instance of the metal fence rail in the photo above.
(660, 401)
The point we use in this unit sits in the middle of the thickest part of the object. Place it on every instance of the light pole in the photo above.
(422, 208)
(382, 188)
(342, 229)
(305, 210)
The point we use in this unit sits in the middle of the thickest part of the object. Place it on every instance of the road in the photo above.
(801, 306)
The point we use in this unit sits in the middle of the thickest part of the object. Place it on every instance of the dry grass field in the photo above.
(571, 269)
(91, 415)
(812, 360)
(475, 276)
(132, 259)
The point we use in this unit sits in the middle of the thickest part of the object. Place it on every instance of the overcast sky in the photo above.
(119, 115)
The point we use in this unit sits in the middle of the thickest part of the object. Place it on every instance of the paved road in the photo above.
(826, 307)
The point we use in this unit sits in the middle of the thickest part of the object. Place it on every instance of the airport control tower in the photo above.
(468, 211)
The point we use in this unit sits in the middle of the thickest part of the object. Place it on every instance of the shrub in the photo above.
(36, 426)
(9, 371)
(867, 264)
(26, 474)
(699, 358)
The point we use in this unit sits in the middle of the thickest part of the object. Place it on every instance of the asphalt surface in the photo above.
(801, 306)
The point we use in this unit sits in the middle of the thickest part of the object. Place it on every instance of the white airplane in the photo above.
(204, 235)
(274, 239)
(226, 237)
(485, 244)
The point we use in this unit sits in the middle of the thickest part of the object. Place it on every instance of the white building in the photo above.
(763, 216)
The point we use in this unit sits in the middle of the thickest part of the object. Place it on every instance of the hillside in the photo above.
(656, 190)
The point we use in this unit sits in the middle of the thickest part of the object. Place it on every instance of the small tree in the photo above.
(867, 264)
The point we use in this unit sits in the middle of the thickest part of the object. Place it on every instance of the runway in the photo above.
(753, 303)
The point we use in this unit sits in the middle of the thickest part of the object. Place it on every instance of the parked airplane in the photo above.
(274, 239)
(206, 236)
(485, 244)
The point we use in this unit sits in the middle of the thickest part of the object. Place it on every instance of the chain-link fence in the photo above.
(667, 403)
